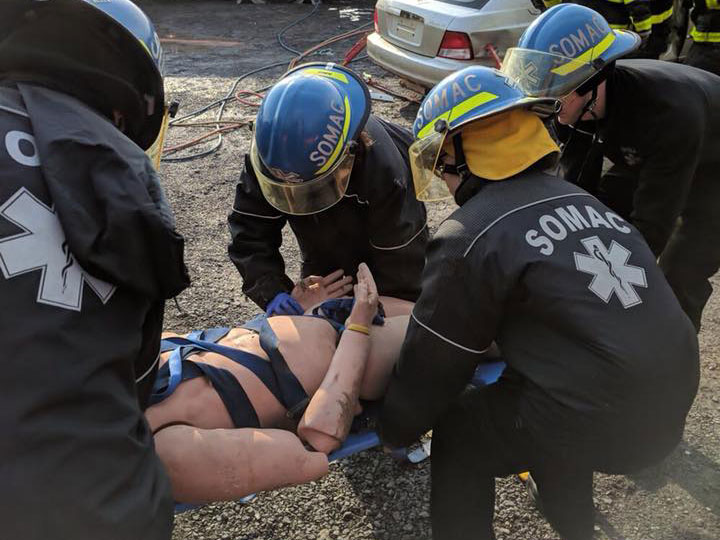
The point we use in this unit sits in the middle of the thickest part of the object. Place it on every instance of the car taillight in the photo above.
(375, 21)
(456, 45)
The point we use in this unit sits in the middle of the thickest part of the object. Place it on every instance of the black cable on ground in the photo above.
(279, 35)
(230, 96)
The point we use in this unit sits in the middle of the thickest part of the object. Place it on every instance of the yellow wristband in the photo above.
(358, 328)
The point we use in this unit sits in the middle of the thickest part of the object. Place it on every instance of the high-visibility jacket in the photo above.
(634, 15)
(706, 18)
(662, 11)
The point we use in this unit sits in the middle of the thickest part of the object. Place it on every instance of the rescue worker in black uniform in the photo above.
(704, 52)
(662, 21)
(88, 254)
(650, 19)
(340, 177)
(659, 125)
(602, 364)
(635, 15)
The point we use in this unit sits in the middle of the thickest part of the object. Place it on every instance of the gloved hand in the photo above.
(283, 304)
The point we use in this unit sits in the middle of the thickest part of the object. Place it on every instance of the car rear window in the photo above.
(467, 3)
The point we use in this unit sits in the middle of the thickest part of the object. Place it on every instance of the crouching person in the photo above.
(602, 363)
(88, 253)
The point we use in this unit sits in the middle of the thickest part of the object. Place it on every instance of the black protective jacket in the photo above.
(589, 328)
(88, 253)
(706, 18)
(630, 14)
(379, 222)
(662, 127)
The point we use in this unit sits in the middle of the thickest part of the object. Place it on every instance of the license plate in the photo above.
(407, 30)
(406, 27)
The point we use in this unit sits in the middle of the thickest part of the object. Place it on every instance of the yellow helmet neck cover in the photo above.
(503, 145)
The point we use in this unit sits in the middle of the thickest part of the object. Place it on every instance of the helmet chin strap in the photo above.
(460, 162)
(590, 106)
(596, 138)
(464, 189)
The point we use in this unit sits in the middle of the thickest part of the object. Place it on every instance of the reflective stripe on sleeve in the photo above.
(256, 215)
(400, 246)
(447, 340)
(705, 37)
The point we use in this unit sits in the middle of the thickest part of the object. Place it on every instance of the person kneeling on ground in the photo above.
(602, 363)
(339, 176)
(221, 412)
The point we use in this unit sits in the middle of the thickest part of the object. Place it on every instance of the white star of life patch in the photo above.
(42, 246)
(530, 72)
(612, 274)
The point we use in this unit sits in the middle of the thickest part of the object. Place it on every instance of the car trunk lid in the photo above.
(417, 26)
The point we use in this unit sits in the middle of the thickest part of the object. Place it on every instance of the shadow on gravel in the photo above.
(690, 469)
(683, 534)
(605, 526)
(395, 495)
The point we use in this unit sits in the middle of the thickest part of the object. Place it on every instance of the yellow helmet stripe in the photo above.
(457, 111)
(430, 126)
(326, 73)
(341, 140)
(586, 57)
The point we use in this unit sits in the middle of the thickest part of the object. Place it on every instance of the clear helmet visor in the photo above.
(156, 148)
(302, 198)
(424, 153)
(542, 74)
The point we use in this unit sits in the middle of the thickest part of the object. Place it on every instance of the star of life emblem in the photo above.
(530, 73)
(611, 273)
(42, 247)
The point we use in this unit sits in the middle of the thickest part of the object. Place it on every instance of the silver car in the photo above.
(425, 40)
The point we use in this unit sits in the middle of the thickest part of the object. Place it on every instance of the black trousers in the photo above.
(482, 437)
(692, 254)
(704, 56)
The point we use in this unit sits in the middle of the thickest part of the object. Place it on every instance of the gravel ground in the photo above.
(369, 496)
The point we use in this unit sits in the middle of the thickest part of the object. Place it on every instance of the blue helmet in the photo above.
(564, 47)
(465, 96)
(105, 52)
(305, 135)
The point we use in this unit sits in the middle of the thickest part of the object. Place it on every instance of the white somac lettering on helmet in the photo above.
(13, 140)
(473, 87)
(440, 100)
(331, 138)
(599, 23)
(580, 41)
(428, 110)
(567, 46)
(458, 92)
(594, 35)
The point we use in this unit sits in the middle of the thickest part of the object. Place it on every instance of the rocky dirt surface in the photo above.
(369, 496)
